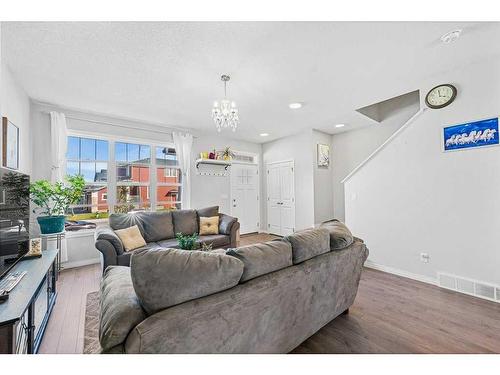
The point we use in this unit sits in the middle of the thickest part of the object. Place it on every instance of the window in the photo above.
(168, 177)
(142, 177)
(133, 164)
(89, 157)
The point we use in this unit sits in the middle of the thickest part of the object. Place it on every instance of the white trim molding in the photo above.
(402, 273)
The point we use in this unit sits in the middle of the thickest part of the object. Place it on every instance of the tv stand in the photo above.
(24, 316)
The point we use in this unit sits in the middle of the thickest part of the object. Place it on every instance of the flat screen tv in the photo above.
(14, 218)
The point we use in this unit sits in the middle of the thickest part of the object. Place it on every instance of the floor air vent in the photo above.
(468, 286)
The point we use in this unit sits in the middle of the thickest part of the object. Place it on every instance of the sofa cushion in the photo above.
(157, 226)
(169, 244)
(217, 240)
(263, 258)
(208, 211)
(340, 235)
(122, 221)
(120, 309)
(209, 225)
(185, 221)
(225, 223)
(131, 238)
(167, 277)
(309, 243)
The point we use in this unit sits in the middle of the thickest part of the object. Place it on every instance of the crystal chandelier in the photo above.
(225, 113)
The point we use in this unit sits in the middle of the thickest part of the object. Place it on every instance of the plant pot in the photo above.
(51, 224)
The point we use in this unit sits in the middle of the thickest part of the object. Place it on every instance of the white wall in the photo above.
(211, 190)
(298, 148)
(350, 148)
(412, 197)
(16, 107)
(323, 187)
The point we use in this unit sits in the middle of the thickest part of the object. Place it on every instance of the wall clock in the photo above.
(441, 96)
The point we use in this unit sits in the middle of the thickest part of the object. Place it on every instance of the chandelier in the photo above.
(225, 113)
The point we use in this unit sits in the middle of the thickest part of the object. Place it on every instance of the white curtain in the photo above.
(183, 146)
(58, 147)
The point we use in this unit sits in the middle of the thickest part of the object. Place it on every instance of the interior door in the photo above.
(280, 198)
(273, 199)
(245, 196)
(287, 200)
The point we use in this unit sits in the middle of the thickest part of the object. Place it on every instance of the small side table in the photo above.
(57, 237)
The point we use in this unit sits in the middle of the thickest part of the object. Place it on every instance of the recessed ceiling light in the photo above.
(339, 125)
(264, 134)
(295, 105)
(451, 36)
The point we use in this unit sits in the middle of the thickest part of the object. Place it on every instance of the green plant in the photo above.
(187, 242)
(206, 246)
(55, 198)
(227, 153)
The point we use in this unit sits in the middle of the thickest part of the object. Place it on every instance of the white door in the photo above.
(245, 196)
(281, 198)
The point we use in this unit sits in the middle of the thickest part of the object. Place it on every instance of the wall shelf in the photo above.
(224, 163)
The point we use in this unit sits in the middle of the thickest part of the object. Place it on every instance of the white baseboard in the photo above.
(398, 272)
(81, 263)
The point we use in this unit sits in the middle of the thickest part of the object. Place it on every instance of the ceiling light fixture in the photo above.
(339, 125)
(295, 105)
(451, 36)
(224, 112)
(264, 134)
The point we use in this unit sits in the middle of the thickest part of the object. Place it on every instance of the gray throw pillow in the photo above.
(167, 277)
(309, 243)
(225, 223)
(340, 236)
(263, 258)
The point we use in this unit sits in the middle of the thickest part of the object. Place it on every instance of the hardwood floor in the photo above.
(391, 314)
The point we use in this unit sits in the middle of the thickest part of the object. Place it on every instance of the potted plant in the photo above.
(187, 242)
(227, 154)
(54, 199)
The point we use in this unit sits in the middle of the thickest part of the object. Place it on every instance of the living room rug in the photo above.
(91, 339)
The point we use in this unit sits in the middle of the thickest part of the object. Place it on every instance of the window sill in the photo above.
(87, 232)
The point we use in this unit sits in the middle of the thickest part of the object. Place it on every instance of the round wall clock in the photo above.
(441, 96)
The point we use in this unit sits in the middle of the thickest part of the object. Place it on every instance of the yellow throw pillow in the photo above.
(209, 225)
(131, 237)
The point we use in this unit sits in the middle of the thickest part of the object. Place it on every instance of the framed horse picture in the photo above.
(471, 135)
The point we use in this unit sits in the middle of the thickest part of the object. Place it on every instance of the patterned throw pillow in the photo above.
(131, 238)
(209, 225)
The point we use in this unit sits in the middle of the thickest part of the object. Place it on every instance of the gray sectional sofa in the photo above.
(262, 298)
(159, 229)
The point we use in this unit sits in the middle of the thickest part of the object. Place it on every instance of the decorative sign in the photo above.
(473, 134)
(323, 155)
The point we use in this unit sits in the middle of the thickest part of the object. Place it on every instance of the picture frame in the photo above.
(10, 144)
(35, 248)
(323, 155)
(476, 134)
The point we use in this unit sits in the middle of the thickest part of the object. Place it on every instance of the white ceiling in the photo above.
(169, 72)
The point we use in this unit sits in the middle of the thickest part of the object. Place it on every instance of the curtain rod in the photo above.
(120, 125)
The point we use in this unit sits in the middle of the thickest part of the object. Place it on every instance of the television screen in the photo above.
(14, 218)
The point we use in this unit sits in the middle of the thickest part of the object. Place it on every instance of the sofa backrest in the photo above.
(162, 225)
(307, 244)
(262, 258)
(154, 226)
(167, 277)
